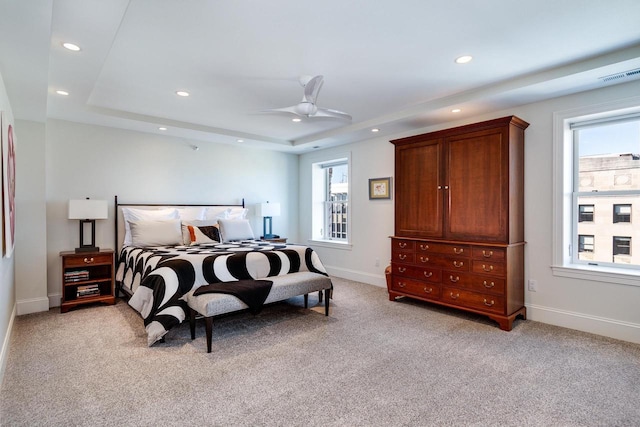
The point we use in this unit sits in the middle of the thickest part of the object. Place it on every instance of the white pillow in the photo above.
(215, 212)
(237, 213)
(196, 232)
(133, 214)
(235, 229)
(156, 233)
(191, 214)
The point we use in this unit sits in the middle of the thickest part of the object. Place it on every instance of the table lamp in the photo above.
(267, 211)
(87, 211)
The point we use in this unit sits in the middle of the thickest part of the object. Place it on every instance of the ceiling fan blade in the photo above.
(290, 110)
(327, 112)
(311, 89)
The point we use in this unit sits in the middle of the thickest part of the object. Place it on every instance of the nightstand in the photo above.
(275, 240)
(87, 277)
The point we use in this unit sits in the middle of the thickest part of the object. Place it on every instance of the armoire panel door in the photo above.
(419, 202)
(477, 177)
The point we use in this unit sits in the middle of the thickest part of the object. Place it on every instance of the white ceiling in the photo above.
(390, 64)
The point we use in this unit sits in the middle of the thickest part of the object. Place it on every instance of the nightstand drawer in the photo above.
(82, 260)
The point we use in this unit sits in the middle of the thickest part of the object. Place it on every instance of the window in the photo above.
(330, 213)
(597, 171)
(621, 246)
(585, 243)
(585, 213)
(621, 213)
(337, 200)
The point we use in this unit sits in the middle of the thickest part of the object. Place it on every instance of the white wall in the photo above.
(7, 282)
(31, 222)
(99, 162)
(601, 308)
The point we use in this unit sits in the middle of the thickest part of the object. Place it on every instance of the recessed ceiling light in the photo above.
(62, 92)
(375, 130)
(464, 59)
(71, 46)
(296, 120)
(182, 93)
(162, 128)
(456, 110)
(239, 140)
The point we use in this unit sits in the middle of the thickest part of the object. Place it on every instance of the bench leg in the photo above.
(192, 322)
(209, 329)
(326, 301)
(320, 296)
(306, 300)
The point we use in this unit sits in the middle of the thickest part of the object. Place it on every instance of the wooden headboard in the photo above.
(119, 219)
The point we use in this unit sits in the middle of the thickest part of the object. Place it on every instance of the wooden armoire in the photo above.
(459, 219)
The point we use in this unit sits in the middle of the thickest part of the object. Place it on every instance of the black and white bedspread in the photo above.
(158, 277)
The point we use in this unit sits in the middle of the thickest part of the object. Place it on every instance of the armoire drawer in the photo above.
(473, 282)
(474, 300)
(414, 272)
(489, 253)
(415, 287)
(488, 267)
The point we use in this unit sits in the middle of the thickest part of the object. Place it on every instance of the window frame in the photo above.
(617, 215)
(563, 229)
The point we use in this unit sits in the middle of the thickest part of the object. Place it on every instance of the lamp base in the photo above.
(87, 249)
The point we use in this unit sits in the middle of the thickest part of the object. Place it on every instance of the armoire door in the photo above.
(477, 178)
(419, 202)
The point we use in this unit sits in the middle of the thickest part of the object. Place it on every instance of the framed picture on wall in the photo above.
(379, 188)
(8, 185)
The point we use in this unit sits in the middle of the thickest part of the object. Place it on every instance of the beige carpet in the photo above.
(371, 363)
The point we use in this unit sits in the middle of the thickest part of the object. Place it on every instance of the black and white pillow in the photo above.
(199, 232)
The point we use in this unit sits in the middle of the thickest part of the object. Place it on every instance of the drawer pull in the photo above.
(458, 251)
(488, 304)
(456, 296)
(484, 267)
(488, 285)
(458, 264)
(402, 256)
(402, 245)
(402, 284)
(424, 259)
(88, 260)
(402, 270)
(429, 290)
(454, 280)
(427, 275)
(487, 254)
(424, 247)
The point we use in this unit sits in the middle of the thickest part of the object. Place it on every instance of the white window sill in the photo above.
(599, 274)
(331, 244)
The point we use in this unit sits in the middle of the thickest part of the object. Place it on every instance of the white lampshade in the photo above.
(269, 209)
(88, 209)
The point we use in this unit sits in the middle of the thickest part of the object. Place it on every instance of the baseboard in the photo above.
(5, 345)
(358, 276)
(33, 305)
(55, 300)
(625, 331)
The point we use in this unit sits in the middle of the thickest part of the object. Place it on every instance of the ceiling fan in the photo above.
(307, 107)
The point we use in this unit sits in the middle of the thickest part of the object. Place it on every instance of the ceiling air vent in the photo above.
(621, 75)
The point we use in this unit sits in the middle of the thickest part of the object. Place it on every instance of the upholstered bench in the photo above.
(284, 287)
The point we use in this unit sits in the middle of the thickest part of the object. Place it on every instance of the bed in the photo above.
(168, 251)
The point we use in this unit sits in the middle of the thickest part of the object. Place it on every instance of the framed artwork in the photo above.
(8, 185)
(379, 188)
